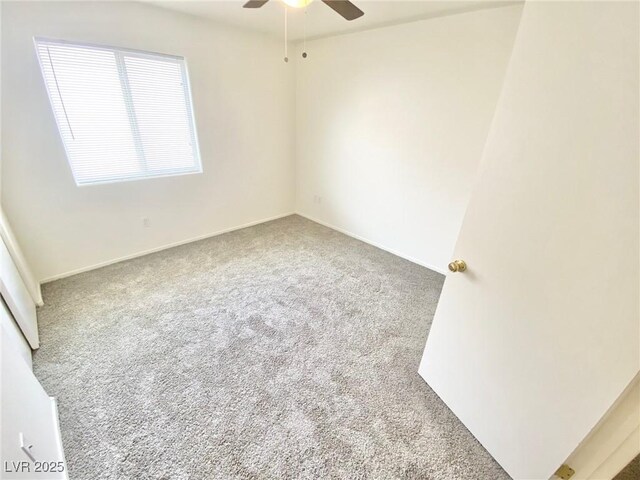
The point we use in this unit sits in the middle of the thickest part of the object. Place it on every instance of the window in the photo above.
(122, 114)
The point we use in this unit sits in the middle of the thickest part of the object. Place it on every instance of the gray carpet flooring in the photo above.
(284, 350)
(631, 471)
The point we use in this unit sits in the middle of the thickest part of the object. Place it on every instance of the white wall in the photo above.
(391, 124)
(244, 109)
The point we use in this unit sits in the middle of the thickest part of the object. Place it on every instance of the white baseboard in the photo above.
(163, 247)
(375, 244)
(239, 227)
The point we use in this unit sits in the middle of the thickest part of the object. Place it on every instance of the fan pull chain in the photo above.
(304, 38)
(286, 37)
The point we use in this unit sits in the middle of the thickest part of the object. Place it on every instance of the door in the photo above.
(533, 343)
(30, 443)
(11, 330)
(17, 297)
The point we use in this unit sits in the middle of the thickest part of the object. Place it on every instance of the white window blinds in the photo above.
(122, 114)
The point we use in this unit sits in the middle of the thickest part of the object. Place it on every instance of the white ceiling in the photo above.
(321, 21)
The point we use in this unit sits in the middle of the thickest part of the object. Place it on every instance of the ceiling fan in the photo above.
(343, 7)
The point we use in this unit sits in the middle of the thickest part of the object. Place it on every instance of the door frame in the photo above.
(614, 441)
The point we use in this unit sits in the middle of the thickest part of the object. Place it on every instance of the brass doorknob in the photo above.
(458, 266)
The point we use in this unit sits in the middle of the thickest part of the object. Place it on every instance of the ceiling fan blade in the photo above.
(254, 3)
(345, 8)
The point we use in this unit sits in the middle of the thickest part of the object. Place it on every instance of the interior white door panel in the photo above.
(533, 344)
(31, 446)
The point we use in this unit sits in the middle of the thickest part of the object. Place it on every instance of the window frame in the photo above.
(120, 53)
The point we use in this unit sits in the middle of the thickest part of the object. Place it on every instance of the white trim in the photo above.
(239, 227)
(137, 178)
(375, 244)
(613, 442)
(618, 460)
(10, 328)
(56, 418)
(98, 46)
(163, 247)
(6, 233)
